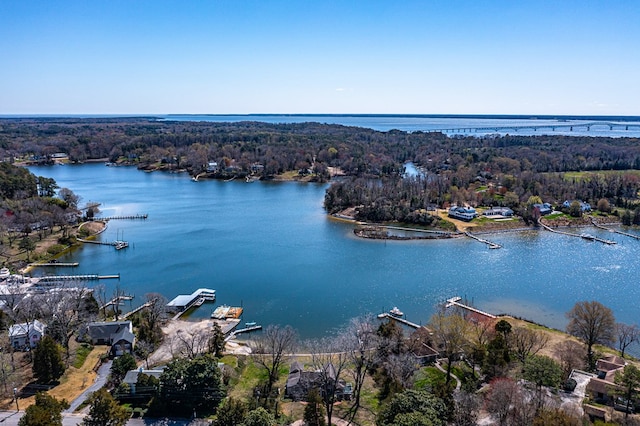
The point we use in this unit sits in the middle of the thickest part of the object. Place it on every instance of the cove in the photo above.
(271, 248)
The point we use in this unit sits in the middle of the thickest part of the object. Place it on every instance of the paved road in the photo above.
(11, 418)
(101, 379)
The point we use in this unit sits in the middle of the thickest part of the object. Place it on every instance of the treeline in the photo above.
(488, 171)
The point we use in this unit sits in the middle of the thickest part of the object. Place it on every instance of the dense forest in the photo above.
(497, 170)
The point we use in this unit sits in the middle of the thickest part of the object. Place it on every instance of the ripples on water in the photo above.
(271, 248)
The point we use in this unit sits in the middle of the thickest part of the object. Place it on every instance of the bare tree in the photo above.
(500, 397)
(190, 344)
(626, 335)
(270, 349)
(450, 333)
(592, 322)
(63, 313)
(329, 361)
(526, 342)
(360, 341)
(569, 353)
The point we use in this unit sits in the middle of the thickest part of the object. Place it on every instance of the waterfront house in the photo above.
(602, 387)
(421, 346)
(463, 213)
(117, 334)
(544, 208)
(584, 206)
(498, 212)
(300, 382)
(26, 335)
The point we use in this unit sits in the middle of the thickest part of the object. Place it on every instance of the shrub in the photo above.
(56, 249)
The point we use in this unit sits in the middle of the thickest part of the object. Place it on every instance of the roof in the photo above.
(104, 330)
(22, 329)
(184, 299)
(123, 334)
(132, 375)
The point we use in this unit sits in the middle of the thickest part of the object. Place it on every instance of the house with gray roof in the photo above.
(117, 334)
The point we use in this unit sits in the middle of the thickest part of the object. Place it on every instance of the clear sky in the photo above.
(330, 56)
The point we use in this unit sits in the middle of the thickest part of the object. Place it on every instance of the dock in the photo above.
(183, 302)
(626, 234)
(491, 244)
(399, 319)
(233, 334)
(128, 217)
(56, 264)
(583, 236)
(116, 301)
(86, 277)
(138, 309)
(118, 244)
(455, 301)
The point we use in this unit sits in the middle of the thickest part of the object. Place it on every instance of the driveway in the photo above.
(101, 379)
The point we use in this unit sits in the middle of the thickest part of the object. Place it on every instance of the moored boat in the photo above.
(396, 312)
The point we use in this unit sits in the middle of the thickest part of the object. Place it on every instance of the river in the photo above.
(271, 248)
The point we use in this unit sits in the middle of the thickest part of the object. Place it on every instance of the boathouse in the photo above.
(185, 301)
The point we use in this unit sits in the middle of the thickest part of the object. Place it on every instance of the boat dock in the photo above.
(491, 244)
(138, 309)
(116, 301)
(455, 301)
(232, 334)
(583, 236)
(129, 217)
(183, 302)
(400, 320)
(117, 244)
(56, 264)
(87, 277)
(626, 234)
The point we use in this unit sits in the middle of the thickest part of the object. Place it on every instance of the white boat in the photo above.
(250, 324)
(4, 273)
(120, 244)
(396, 312)
(588, 236)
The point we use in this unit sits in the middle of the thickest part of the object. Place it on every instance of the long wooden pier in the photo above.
(126, 217)
(138, 309)
(491, 244)
(583, 236)
(86, 277)
(455, 301)
(399, 319)
(57, 264)
(626, 234)
(117, 244)
(116, 301)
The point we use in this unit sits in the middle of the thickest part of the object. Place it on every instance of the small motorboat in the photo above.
(396, 312)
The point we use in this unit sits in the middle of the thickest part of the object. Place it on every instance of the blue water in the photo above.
(455, 125)
(271, 248)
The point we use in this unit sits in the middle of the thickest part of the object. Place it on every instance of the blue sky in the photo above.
(297, 56)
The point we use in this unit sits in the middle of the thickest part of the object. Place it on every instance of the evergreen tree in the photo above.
(47, 411)
(47, 361)
(104, 410)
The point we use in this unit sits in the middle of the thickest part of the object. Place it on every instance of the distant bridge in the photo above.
(535, 127)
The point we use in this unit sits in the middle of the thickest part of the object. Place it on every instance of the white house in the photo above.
(26, 334)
